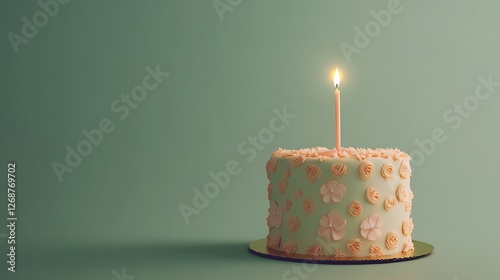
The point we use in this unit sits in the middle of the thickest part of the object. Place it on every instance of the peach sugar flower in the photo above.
(313, 173)
(289, 247)
(387, 170)
(365, 169)
(338, 169)
(401, 193)
(354, 245)
(372, 195)
(375, 251)
(405, 170)
(288, 205)
(282, 185)
(371, 228)
(407, 226)
(391, 240)
(389, 203)
(332, 226)
(273, 242)
(355, 208)
(332, 191)
(275, 217)
(408, 206)
(308, 206)
(315, 250)
(271, 166)
(287, 173)
(293, 224)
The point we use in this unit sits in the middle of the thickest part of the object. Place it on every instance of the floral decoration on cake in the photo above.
(375, 251)
(391, 240)
(389, 203)
(308, 206)
(286, 173)
(282, 185)
(338, 169)
(354, 245)
(293, 224)
(315, 251)
(387, 170)
(408, 206)
(371, 227)
(289, 247)
(271, 166)
(365, 170)
(407, 226)
(332, 191)
(401, 193)
(332, 226)
(273, 242)
(275, 217)
(355, 208)
(372, 195)
(313, 173)
(405, 170)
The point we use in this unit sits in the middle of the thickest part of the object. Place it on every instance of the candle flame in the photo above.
(336, 78)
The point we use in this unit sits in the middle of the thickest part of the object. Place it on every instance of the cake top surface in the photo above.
(357, 153)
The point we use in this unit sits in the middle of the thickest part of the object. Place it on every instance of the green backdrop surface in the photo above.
(176, 88)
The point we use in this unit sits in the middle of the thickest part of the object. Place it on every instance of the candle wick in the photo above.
(336, 86)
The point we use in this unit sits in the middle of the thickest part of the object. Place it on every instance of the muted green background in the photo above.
(119, 207)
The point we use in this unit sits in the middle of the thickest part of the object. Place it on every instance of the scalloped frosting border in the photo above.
(357, 153)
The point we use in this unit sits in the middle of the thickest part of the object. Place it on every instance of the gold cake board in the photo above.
(258, 247)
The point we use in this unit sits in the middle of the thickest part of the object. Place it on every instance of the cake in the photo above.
(341, 203)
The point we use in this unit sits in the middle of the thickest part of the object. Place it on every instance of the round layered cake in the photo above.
(344, 203)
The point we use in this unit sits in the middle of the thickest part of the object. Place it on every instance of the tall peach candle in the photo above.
(336, 81)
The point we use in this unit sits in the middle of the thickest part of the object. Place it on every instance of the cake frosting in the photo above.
(348, 202)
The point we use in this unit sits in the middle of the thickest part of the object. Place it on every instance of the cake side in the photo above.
(347, 202)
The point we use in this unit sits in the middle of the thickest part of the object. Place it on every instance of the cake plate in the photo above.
(258, 248)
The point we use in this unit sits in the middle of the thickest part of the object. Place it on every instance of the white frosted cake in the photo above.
(343, 203)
